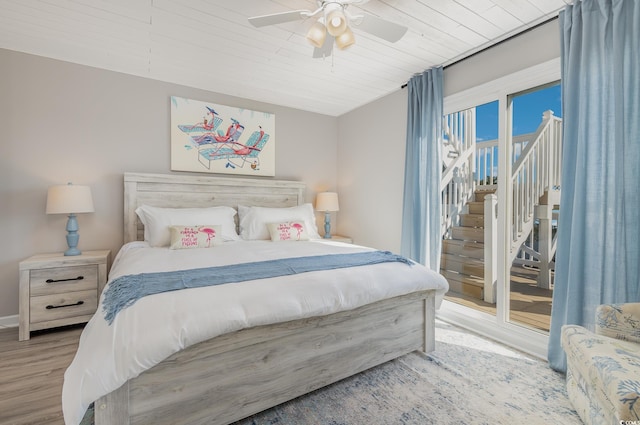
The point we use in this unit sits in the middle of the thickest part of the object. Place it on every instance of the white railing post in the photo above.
(545, 242)
(458, 159)
(490, 247)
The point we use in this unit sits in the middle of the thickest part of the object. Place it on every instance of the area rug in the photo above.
(468, 379)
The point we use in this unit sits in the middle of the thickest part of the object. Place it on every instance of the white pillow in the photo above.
(254, 220)
(157, 221)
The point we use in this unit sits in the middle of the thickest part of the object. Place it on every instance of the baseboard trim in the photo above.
(9, 321)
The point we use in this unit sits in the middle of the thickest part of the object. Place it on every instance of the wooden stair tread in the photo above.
(458, 242)
(476, 207)
(468, 233)
(464, 265)
(466, 248)
(472, 220)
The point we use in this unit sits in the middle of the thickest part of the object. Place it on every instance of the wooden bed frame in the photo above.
(236, 375)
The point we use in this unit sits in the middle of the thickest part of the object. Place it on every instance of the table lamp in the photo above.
(327, 202)
(70, 199)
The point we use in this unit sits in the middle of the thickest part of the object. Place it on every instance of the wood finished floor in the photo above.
(529, 305)
(31, 375)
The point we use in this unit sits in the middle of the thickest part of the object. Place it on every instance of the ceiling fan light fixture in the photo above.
(317, 34)
(336, 22)
(345, 39)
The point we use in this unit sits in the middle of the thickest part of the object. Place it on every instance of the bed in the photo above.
(235, 374)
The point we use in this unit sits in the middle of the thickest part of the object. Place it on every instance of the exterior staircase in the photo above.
(462, 259)
(469, 246)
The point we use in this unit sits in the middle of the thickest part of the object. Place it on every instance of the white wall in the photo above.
(372, 138)
(63, 122)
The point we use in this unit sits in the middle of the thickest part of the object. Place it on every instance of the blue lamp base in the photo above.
(327, 225)
(72, 236)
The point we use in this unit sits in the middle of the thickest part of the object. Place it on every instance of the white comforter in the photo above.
(159, 325)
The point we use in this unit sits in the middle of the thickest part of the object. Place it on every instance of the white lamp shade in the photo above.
(327, 201)
(69, 199)
(336, 22)
(345, 39)
(317, 34)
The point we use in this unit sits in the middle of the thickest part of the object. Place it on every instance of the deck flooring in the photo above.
(530, 306)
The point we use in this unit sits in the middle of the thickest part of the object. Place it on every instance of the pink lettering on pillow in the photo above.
(189, 237)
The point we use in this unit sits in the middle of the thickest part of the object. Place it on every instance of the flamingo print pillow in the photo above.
(185, 237)
(288, 231)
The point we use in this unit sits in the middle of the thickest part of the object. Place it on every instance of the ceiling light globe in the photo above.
(345, 39)
(336, 23)
(317, 34)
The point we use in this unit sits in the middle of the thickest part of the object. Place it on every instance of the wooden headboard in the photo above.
(195, 191)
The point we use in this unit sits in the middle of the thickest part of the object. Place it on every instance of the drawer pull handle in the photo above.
(49, 307)
(64, 280)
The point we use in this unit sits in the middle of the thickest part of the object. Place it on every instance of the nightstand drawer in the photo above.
(61, 280)
(59, 290)
(59, 306)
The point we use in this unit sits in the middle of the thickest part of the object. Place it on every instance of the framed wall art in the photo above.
(212, 138)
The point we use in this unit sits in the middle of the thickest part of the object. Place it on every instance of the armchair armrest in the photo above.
(621, 321)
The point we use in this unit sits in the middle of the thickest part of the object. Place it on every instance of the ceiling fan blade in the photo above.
(379, 27)
(278, 18)
(325, 50)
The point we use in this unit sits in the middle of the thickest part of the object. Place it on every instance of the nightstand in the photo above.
(58, 290)
(338, 238)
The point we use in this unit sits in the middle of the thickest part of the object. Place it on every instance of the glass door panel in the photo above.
(536, 137)
(470, 160)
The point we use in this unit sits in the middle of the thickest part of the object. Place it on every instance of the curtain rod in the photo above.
(494, 45)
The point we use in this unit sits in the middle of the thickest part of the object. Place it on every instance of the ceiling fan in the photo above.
(334, 23)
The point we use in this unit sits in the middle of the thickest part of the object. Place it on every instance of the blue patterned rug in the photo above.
(466, 380)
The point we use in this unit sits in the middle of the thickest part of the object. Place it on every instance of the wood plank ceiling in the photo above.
(209, 44)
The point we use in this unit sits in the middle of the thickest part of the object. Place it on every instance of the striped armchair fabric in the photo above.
(603, 368)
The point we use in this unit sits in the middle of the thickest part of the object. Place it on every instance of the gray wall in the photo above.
(62, 122)
(371, 172)
(372, 138)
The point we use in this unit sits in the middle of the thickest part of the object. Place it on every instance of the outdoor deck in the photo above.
(530, 306)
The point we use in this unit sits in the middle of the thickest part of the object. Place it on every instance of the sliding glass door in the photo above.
(500, 205)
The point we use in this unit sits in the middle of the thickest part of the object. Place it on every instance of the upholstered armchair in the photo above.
(603, 368)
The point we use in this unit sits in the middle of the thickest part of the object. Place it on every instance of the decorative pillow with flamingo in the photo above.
(185, 237)
(288, 231)
(253, 220)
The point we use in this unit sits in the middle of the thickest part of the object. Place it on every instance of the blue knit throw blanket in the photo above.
(126, 290)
